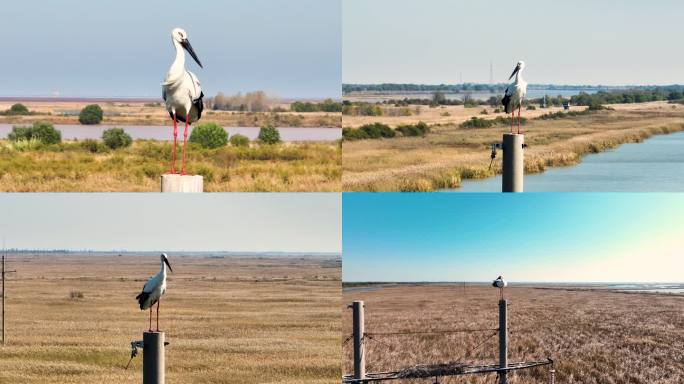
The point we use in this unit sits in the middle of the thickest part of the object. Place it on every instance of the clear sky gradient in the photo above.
(553, 237)
(123, 48)
(279, 222)
(608, 42)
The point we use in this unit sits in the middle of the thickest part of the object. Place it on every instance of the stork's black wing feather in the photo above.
(199, 104)
(142, 297)
(506, 101)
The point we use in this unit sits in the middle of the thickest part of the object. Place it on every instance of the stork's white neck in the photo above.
(163, 268)
(178, 66)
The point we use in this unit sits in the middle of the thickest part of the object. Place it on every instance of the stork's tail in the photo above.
(506, 101)
(142, 298)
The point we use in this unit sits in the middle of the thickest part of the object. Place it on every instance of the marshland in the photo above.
(453, 151)
(228, 318)
(593, 335)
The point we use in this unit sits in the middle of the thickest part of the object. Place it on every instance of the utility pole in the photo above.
(4, 272)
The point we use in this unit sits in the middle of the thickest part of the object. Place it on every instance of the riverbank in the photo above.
(449, 154)
(83, 167)
(153, 113)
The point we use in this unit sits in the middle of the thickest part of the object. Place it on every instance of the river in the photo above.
(656, 165)
(153, 132)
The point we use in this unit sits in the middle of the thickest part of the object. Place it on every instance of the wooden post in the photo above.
(503, 340)
(513, 163)
(359, 350)
(153, 358)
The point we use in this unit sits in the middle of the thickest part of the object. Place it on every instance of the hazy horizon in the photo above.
(446, 41)
(80, 48)
(241, 222)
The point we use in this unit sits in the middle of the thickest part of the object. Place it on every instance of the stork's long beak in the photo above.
(186, 45)
(516, 70)
(166, 261)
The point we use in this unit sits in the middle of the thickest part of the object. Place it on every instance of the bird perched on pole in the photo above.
(154, 289)
(515, 93)
(501, 284)
(181, 92)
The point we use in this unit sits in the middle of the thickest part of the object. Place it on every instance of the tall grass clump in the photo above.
(477, 122)
(238, 140)
(43, 132)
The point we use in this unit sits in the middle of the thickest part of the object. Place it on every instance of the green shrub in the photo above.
(238, 140)
(41, 131)
(116, 138)
(351, 134)
(484, 112)
(210, 135)
(377, 130)
(269, 135)
(91, 114)
(18, 109)
(531, 107)
(419, 129)
(476, 122)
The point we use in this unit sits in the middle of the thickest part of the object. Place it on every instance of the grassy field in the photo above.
(593, 336)
(71, 166)
(449, 153)
(140, 113)
(228, 320)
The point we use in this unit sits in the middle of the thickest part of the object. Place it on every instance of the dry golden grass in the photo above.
(231, 320)
(449, 154)
(69, 167)
(138, 113)
(593, 336)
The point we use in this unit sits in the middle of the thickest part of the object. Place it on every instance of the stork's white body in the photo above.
(154, 289)
(515, 92)
(181, 89)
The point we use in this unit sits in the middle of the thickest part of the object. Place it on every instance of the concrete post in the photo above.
(513, 163)
(503, 340)
(3, 299)
(153, 358)
(182, 183)
(359, 350)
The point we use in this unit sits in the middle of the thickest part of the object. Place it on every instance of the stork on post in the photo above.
(181, 92)
(154, 289)
(515, 93)
(501, 284)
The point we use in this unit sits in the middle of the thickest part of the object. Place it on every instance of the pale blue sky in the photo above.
(547, 237)
(609, 42)
(123, 48)
(287, 222)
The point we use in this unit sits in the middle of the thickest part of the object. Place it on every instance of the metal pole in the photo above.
(153, 358)
(513, 163)
(503, 340)
(3, 299)
(359, 350)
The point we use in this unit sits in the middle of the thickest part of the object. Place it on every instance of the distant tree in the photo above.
(91, 114)
(210, 135)
(18, 109)
(269, 135)
(116, 138)
(439, 98)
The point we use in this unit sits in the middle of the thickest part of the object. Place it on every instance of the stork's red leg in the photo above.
(519, 108)
(173, 154)
(158, 302)
(150, 319)
(512, 118)
(185, 141)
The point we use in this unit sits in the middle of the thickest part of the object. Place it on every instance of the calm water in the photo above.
(656, 165)
(165, 133)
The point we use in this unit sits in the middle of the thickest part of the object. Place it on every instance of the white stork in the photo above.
(501, 284)
(154, 289)
(181, 91)
(515, 93)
